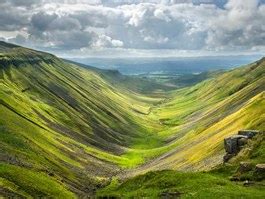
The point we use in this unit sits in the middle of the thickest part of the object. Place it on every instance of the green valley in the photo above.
(72, 131)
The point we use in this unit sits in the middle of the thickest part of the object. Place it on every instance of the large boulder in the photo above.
(234, 143)
(249, 133)
(260, 171)
(260, 168)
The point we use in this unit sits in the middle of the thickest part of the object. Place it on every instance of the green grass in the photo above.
(212, 184)
(30, 183)
(189, 185)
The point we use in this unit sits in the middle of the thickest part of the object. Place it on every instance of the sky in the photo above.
(135, 28)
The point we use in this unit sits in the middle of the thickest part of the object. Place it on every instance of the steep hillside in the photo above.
(76, 127)
(63, 121)
(231, 180)
(139, 84)
(198, 118)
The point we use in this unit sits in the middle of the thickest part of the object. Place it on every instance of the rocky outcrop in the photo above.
(259, 171)
(248, 133)
(235, 143)
(260, 168)
(244, 167)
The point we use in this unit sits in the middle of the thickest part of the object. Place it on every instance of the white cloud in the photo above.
(159, 13)
(241, 25)
(136, 24)
(104, 41)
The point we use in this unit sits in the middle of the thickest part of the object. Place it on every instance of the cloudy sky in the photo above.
(85, 28)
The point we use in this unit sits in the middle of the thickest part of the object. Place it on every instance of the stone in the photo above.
(235, 143)
(242, 141)
(249, 133)
(244, 167)
(232, 144)
(260, 171)
(234, 178)
(248, 183)
(260, 168)
(172, 195)
(227, 157)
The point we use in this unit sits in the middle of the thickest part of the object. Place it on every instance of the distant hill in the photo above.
(134, 83)
(169, 65)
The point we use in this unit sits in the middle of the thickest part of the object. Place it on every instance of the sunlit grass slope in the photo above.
(212, 184)
(198, 118)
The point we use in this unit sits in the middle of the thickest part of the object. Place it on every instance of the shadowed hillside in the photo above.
(64, 120)
(75, 128)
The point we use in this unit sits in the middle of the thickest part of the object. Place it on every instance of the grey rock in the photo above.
(244, 167)
(249, 133)
(167, 195)
(233, 143)
(260, 168)
(248, 183)
(260, 171)
(227, 157)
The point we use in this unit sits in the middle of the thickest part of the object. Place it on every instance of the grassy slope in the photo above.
(137, 84)
(77, 128)
(197, 119)
(65, 121)
(213, 184)
(190, 185)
